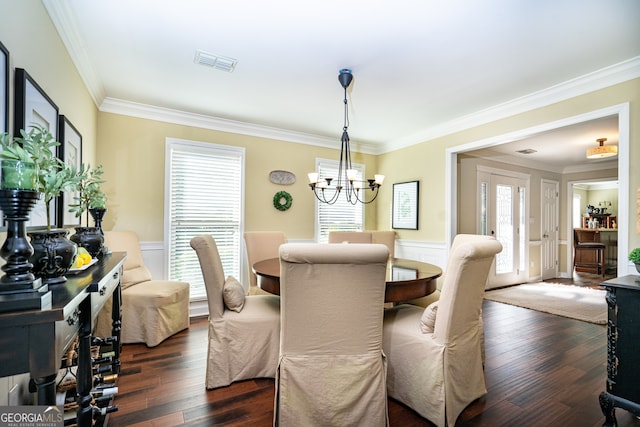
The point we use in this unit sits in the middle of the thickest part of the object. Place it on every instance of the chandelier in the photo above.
(328, 189)
(602, 151)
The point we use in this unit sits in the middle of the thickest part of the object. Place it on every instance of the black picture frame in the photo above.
(70, 152)
(405, 205)
(4, 89)
(33, 106)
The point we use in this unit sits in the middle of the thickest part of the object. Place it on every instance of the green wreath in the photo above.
(282, 200)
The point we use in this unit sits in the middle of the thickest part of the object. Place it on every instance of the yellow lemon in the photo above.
(86, 258)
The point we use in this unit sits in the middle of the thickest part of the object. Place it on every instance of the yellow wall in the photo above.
(132, 153)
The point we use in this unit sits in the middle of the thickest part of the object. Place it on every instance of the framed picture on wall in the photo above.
(405, 205)
(4, 89)
(34, 107)
(70, 152)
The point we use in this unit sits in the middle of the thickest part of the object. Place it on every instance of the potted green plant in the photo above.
(90, 195)
(634, 257)
(53, 252)
(18, 167)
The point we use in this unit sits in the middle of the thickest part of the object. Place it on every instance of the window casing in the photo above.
(204, 193)
(342, 215)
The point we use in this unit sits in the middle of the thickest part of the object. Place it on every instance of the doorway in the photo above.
(620, 111)
(603, 195)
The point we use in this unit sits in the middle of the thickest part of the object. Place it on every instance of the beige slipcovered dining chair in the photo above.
(434, 353)
(349, 237)
(261, 245)
(331, 371)
(244, 330)
(435, 296)
(387, 238)
(152, 310)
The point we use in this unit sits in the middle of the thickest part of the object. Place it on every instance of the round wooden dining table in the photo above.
(406, 279)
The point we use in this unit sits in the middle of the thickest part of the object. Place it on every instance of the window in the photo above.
(203, 195)
(342, 215)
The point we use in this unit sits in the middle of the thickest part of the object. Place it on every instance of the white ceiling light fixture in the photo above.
(602, 151)
(215, 61)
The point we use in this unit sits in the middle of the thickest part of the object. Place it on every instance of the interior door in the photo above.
(549, 229)
(506, 220)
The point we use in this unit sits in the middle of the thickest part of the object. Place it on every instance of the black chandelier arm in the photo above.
(353, 196)
(323, 199)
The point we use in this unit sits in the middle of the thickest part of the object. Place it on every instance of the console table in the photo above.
(34, 341)
(623, 348)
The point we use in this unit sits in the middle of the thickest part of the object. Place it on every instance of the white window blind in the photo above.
(341, 216)
(204, 195)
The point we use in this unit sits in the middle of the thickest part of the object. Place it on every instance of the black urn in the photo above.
(53, 255)
(90, 238)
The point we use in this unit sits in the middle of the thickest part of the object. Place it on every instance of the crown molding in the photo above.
(600, 79)
(150, 112)
(65, 24)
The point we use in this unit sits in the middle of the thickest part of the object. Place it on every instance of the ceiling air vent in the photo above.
(214, 61)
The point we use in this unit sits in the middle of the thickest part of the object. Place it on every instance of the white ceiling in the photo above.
(417, 65)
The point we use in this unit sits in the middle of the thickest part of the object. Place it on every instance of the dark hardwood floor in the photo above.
(541, 370)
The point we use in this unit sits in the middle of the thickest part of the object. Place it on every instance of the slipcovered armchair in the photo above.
(152, 310)
(261, 245)
(331, 371)
(244, 330)
(434, 354)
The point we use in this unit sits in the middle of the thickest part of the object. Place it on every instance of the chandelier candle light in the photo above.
(347, 179)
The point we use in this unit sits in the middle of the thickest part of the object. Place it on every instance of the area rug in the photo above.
(575, 302)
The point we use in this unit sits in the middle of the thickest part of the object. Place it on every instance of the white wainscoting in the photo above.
(153, 257)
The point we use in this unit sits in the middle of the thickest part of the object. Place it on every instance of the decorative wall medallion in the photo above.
(282, 177)
(282, 200)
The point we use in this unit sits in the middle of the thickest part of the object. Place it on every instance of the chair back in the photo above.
(331, 298)
(261, 245)
(212, 272)
(387, 238)
(134, 270)
(466, 275)
(332, 369)
(581, 237)
(349, 237)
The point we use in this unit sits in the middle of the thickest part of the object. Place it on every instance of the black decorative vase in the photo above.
(53, 255)
(90, 238)
(16, 250)
(98, 214)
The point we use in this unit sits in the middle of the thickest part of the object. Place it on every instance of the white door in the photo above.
(506, 220)
(549, 229)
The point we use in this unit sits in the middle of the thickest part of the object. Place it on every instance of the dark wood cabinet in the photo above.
(623, 348)
(34, 341)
